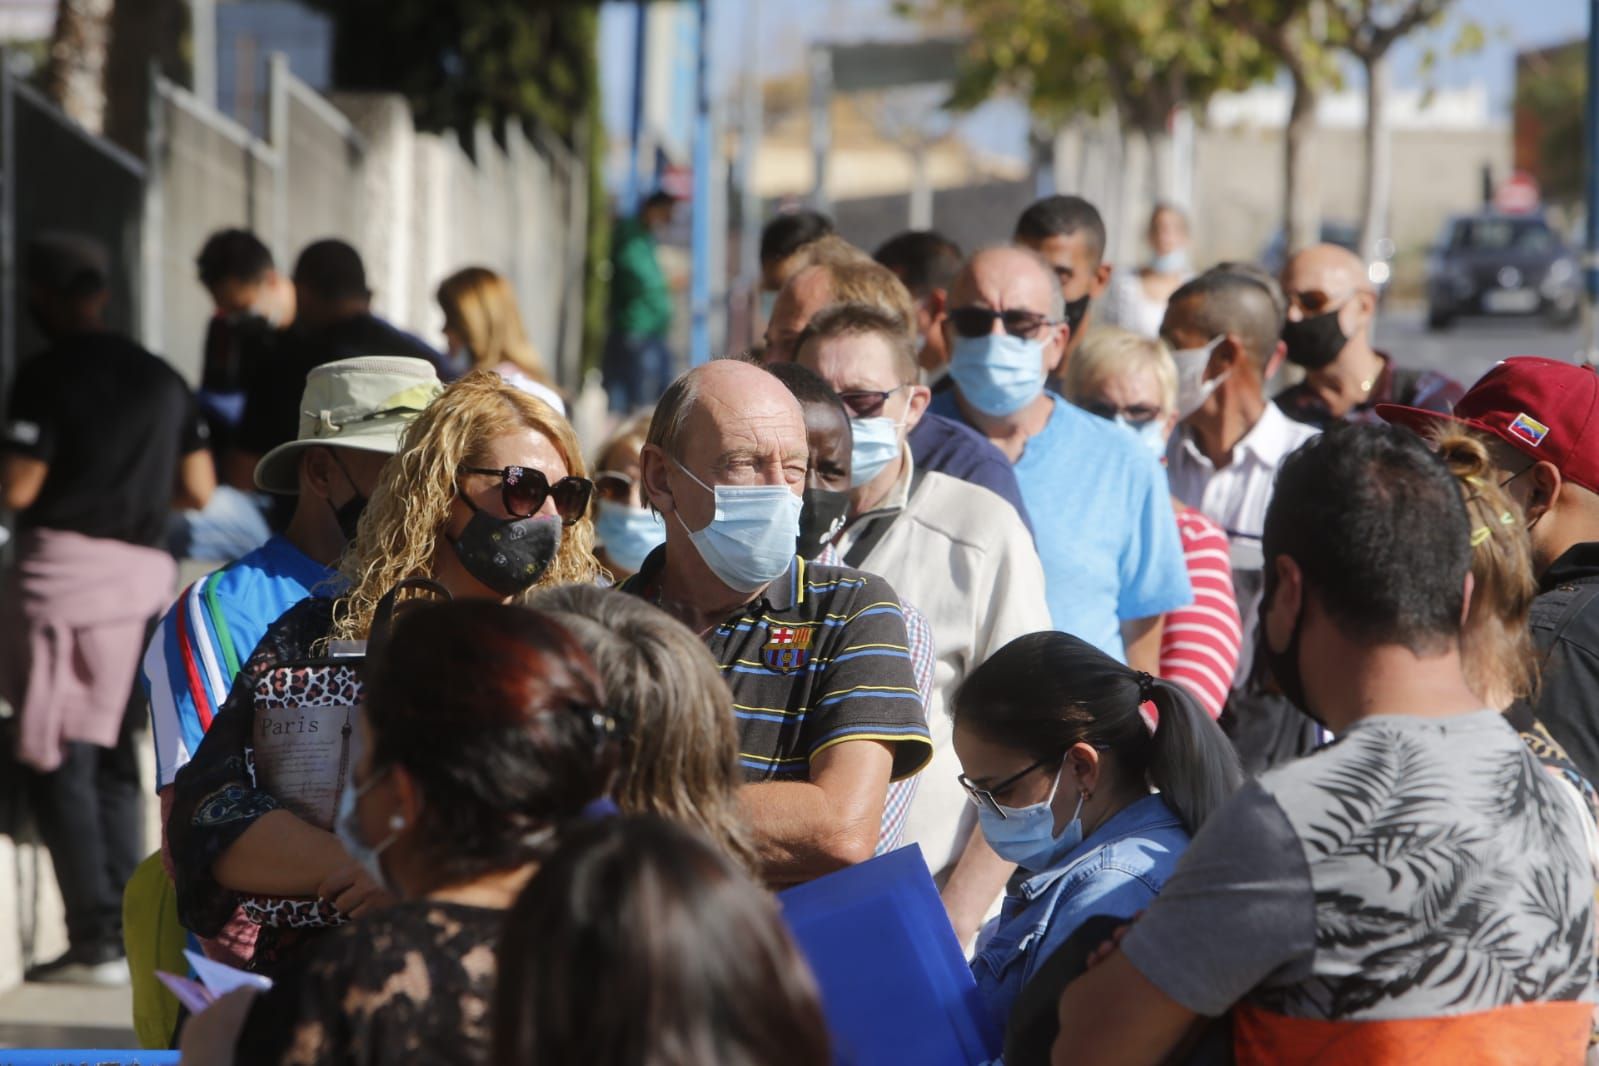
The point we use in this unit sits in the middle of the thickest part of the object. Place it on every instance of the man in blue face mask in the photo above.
(816, 656)
(1101, 514)
(939, 541)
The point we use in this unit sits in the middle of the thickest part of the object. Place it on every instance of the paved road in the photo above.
(1468, 348)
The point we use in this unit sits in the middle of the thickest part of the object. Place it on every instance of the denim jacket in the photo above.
(1115, 872)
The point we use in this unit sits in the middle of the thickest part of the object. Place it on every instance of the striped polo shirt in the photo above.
(819, 658)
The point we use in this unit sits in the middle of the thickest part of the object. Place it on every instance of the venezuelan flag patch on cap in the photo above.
(1528, 429)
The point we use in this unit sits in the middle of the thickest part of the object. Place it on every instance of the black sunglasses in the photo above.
(524, 490)
(979, 321)
(866, 403)
(1139, 414)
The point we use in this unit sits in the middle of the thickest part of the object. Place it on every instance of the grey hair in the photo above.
(670, 421)
(679, 738)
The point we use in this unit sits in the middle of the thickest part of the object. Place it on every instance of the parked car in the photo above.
(1496, 264)
(1379, 270)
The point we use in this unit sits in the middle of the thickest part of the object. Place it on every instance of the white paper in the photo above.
(219, 978)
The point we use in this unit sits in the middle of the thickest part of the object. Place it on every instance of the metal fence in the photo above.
(54, 177)
(418, 206)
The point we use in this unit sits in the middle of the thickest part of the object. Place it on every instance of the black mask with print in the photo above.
(507, 555)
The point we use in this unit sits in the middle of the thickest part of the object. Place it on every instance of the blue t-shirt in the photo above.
(951, 447)
(208, 634)
(1104, 524)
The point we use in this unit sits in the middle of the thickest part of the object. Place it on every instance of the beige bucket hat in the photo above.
(362, 403)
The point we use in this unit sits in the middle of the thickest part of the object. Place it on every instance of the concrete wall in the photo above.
(1238, 182)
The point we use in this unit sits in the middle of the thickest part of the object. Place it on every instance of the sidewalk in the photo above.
(66, 1016)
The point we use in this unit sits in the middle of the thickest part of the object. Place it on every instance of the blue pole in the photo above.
(1591, 259)
(633, 192)
(700, 238)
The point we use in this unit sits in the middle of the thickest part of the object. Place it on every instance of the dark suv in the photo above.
(1492, 264)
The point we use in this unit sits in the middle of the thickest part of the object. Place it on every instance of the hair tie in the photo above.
(1146, 687)
(1480, 535)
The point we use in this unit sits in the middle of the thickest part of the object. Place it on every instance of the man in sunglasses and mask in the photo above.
(352, 415)
(938, 541)
(1102, 515)
(1332, 306)
(816, 656)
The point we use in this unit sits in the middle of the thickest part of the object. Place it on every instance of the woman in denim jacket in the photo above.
(1093, 801)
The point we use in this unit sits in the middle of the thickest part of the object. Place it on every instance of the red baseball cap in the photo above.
(1544, 408)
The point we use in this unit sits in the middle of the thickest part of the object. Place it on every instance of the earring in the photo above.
(396, 822)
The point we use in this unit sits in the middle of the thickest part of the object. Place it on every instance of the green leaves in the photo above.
(1143, 57)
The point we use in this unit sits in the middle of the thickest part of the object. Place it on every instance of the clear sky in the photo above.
(786, 27)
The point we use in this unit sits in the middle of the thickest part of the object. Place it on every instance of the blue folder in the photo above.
(85, 1057)
(896, 987)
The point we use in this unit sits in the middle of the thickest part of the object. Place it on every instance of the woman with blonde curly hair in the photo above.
(488, 497)
(483, 331)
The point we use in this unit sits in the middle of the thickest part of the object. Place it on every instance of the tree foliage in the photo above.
(1551, 89)
(1141, 57)
(465, 61)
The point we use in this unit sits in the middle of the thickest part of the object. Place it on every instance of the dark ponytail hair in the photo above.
(1044, 692)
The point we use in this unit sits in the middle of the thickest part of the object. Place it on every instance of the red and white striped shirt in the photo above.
(1200, 642)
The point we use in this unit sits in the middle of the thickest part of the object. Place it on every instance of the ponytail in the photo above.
(1191, 761)
(1044, 692)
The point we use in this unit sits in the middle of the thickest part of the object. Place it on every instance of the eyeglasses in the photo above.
(1315, 301)
(863, 403)
(1506, 482)
(984, 797)
(979, 321)
(1138, 414)
(524, 490)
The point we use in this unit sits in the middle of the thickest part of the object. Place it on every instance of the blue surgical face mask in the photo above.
(876, 445)
(1152, 433)
(997, 373)
(1026, 835)
(347, 827)
(750, 540)
(1172, 262)
(628, 534)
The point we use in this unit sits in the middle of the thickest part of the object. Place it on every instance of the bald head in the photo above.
(1024, 278)
(724, 409)
(1325, 268)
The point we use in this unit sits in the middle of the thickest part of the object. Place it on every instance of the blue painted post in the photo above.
(699, 341)
(633, 193)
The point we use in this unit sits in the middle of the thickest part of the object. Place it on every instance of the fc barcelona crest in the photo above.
(787, 648)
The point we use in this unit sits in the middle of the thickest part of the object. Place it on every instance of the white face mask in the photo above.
(1192, 388)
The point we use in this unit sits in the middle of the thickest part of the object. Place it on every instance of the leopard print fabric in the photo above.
(293, 686)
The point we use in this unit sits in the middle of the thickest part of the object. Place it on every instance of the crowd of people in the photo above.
(1239, 713)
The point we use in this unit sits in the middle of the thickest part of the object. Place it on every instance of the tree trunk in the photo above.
(1378, 175)
(1301, 193)
(74, 75)
(143, 33)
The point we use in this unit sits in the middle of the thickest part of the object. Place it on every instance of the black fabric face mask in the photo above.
(348, 516)
(821, 519)
(1279, 670)
(1314, 342)
(1076, 311)
(508, 555)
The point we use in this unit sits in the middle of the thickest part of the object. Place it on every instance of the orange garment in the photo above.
(1525, 1034)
